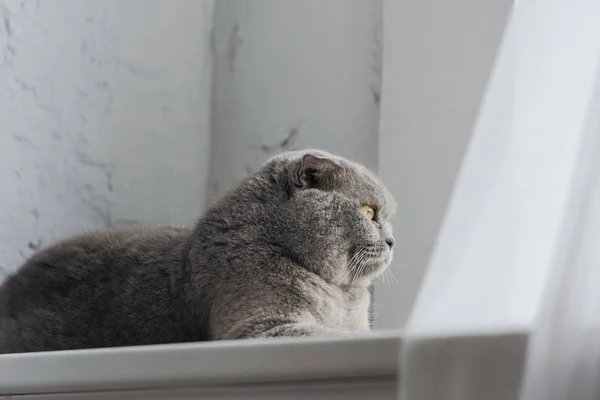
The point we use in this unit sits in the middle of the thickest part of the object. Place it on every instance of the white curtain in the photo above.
(510, 306)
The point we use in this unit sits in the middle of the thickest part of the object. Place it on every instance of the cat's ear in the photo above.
(313, 172)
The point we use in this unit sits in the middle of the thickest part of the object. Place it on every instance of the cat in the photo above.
(292, 250)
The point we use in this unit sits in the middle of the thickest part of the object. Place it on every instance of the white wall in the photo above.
(438, 55)
(294, 74)
(104, 116)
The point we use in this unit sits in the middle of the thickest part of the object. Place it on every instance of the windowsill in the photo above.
(201, 364)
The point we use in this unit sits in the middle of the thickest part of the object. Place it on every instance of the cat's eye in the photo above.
(369, 211)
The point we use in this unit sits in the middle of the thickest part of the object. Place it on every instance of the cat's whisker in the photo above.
(349, 263)
(396, 271)
(383, 278)
(354, 257)
(360, 270)
(349, 267)
(354, 262)
(392, 275)
(391, 278)
(355, 268)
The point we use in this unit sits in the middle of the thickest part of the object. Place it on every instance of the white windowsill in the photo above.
(205, 364)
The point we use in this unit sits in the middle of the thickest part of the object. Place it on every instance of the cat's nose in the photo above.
(390, 242)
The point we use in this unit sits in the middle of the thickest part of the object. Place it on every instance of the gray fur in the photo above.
(288, 252)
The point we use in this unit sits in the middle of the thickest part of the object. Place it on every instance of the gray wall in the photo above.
(438, 56)
(104, 116)
(294, 74)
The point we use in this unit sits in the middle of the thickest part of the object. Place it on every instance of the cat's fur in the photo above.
(288, 252)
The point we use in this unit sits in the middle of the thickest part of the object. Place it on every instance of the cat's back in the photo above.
(118, 249)
(76, 286)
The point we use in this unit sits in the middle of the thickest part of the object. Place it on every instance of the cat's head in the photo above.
(333, 215)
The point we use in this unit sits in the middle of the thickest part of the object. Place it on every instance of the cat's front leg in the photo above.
(298, 330)
(278, 328)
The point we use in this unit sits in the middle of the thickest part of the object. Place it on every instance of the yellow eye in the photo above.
(369, 211)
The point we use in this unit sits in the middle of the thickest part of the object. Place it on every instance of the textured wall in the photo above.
(294, 74)
(104, 116)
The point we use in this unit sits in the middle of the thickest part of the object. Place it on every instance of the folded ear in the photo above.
(313, 172)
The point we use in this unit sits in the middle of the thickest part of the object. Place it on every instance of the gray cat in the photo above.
(290, 251)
